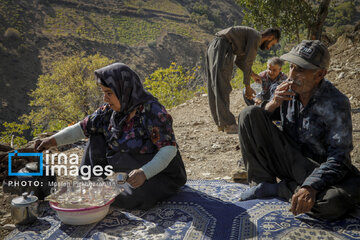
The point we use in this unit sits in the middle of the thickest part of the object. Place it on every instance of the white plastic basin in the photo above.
(81, 216)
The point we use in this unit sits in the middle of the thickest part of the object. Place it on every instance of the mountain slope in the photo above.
(145, 35)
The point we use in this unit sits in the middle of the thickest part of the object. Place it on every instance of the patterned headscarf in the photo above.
(126, 85)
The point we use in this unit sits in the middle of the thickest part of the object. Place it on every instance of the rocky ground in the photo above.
(210, 154)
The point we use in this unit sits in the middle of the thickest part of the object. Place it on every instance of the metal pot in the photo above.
(24, 209)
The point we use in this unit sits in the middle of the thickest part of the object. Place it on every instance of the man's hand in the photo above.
(44, 144)
(136, 178)
(256, 77)
(303, 200)
(281, 94)
(249, 92)
(257, 101)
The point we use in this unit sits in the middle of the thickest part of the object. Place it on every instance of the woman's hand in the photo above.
(44, 144)
(136, 178)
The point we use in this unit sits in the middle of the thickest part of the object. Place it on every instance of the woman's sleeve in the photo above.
(69, 135)
(160, 161)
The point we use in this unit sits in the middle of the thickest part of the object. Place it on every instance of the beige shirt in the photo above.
(245, 42)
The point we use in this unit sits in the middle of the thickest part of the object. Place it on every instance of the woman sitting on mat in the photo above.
(133, 133)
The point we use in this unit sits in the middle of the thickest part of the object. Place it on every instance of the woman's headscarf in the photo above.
(126, 85)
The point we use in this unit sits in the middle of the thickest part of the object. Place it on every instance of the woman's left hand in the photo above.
(136, 178)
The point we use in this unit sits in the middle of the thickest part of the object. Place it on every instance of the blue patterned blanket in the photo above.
(201, 210)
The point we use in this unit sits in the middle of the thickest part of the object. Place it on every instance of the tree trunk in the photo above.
(297, 33)
(315, 30)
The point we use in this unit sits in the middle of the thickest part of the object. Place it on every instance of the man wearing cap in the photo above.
(311, 154)
(242, 42)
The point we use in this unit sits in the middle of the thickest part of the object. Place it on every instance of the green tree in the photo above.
(341, 14)
(291, 15)
(67, 94)
(13, 131)
(171, 86)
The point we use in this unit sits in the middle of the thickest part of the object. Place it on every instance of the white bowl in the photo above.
(81, 216)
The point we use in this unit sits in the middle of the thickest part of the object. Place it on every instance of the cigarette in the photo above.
(289, 80)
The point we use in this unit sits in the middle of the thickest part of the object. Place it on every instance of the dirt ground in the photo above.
(207, 152)
(210, 154)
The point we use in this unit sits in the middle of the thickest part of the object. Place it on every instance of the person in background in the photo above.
(311, 154)
(242, 42)
(133, 133)
(270, 79)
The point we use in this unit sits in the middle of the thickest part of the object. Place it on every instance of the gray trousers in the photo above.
(268, 154)
(219, 67)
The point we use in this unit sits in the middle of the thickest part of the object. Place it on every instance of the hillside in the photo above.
(145, 34)
(344, 70)
(166, 31)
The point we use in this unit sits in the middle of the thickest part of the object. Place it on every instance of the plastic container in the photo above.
(257, 87)
(81, 216)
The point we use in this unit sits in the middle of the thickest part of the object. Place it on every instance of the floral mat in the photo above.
(201, 210)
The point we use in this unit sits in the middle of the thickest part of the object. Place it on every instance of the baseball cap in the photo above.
(309, 54)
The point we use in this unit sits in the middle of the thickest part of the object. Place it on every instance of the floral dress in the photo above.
(148, 131)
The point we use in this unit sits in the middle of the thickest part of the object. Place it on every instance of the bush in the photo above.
(202, 21)
(140, 11)
(206, 23)
(171, 86)
(67, 94)
(152, 44)
(12, 34)
(16, 130)
(201, 9)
